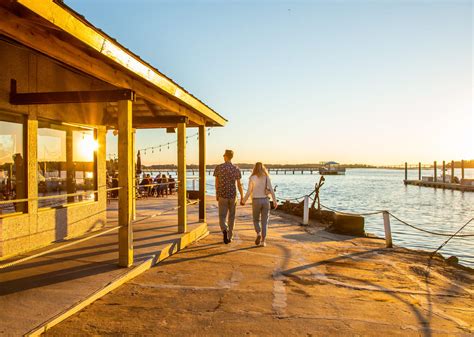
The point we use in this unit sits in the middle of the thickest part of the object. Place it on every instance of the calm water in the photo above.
(362, 190)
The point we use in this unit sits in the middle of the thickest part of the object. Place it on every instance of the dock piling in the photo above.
(435, 178)
(462, 169)
(388, 231)
(452, 171)
(419, 171)
(406, 171)
(444, 171)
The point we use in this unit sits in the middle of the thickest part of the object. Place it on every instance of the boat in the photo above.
(332, 168)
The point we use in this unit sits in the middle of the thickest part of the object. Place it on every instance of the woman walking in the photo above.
(260, 187)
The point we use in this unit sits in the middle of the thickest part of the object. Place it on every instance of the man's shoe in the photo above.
(226, 239)
(258, 239)
(264, 244)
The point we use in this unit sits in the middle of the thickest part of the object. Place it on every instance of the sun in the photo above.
(87, 146)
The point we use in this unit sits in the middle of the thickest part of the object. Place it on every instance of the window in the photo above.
(66, 163)
(12, 164)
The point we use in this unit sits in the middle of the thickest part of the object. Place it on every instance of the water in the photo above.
(363, 190)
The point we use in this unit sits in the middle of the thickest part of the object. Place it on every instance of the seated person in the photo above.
(171, 184)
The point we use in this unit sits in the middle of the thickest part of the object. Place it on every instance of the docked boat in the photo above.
(332, 168)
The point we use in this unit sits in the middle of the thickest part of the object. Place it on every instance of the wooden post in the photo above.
(406, 171)
(388, 231)
(444, 171)
(202, 173)
(419, 171)
(32, 165)
(462, 169)
(70, 174)
(182, 210)
(134, 175)
(435, 178)
(125, 171)
(306, 210)
(452, 171)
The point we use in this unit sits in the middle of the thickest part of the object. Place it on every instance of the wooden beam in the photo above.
(202, 173)
(125, 164)
(52, 44)
(182, 193)
(151, 122)
(62, 97)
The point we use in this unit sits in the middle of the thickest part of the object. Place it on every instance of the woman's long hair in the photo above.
(259, 170)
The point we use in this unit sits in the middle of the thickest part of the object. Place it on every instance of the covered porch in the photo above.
(65, 76)
(50, 284)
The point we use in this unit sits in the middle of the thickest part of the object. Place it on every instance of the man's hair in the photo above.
(229, 154)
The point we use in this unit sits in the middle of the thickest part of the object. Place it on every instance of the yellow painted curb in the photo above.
(174, 247)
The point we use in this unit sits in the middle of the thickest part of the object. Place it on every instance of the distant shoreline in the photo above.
(468, 164)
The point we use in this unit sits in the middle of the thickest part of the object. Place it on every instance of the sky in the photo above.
(377, 82)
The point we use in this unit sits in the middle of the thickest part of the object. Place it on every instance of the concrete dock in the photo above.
(306, 282)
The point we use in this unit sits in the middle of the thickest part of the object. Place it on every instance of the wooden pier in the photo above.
(438, 184)
(453, 183)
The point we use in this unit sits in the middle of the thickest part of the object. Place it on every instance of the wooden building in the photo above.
(63, 84)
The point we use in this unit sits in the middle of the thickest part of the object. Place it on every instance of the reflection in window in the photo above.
(12, 164)
(66, 163)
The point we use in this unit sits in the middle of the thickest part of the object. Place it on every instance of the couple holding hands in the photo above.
(228, 178)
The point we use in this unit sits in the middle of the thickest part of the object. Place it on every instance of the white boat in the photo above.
(332, 168)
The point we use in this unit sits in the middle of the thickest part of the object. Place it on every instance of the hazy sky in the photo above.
(310, 81)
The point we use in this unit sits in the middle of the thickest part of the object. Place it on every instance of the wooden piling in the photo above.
(444, 171)
(462, 169)
(406, 171)
(452, 171)
(419, 171)
(435, 178)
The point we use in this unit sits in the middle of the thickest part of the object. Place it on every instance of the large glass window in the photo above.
(66, 163)
(12, 164)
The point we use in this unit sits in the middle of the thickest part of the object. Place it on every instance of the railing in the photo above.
(386, 220)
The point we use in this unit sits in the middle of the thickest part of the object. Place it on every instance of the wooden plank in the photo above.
(63, 97)
(93, 38)
(125, 171)
(172, 248)
(202, 173)
(182, 210)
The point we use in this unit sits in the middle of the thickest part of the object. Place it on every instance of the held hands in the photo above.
(242, 202)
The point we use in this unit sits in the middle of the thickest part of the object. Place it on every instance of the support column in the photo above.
(135, 182)
(202, 173)
(182, 210)
(32, 166)
(70, 172)
(125, 170)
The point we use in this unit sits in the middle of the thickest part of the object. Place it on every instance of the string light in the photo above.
(159, 147)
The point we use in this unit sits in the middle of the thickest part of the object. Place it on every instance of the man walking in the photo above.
(227, 177)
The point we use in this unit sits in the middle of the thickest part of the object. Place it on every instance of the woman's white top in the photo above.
(256, 187)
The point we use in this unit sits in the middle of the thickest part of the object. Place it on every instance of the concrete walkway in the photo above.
(306, 282)
(37, 290)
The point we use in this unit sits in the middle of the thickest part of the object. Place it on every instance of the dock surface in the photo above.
(306, 282)
(38, 290)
